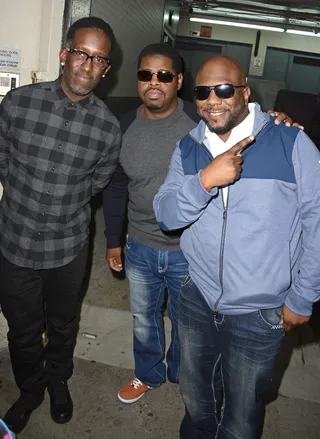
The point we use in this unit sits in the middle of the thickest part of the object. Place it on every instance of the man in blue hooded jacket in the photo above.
(247, 192)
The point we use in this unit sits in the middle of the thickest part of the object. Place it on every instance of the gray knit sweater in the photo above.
(147, 147)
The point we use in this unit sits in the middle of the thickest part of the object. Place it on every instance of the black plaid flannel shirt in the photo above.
(54, 156)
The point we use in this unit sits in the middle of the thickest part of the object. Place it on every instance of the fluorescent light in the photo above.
(229, 23)
(302, 32)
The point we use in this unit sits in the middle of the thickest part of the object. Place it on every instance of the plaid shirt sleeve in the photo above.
(106, 166)
(5, 116)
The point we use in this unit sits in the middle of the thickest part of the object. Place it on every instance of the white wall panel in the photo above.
(34, 28)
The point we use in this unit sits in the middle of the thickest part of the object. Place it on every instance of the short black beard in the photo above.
(232, 122)
(80, 92)
(222, 130)
(152, 107)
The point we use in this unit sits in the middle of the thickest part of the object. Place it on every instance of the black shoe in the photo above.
(61, 402)
(19, 413)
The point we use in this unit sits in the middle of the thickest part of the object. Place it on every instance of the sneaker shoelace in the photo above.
(136, 383)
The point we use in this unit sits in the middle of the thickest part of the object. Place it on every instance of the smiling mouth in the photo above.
(216, 113)
(84, 79)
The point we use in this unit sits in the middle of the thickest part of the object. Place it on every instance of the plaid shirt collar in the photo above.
(61, 99)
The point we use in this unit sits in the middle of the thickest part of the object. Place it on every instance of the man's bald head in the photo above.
(222, 114)
(218, 66)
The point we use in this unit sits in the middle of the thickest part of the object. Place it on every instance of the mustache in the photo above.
(83, 75)
(215, 109)
(155, 89)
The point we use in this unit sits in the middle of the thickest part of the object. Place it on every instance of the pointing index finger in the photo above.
(240, 146)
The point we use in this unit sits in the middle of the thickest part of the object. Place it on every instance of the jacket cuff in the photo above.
(113, 241)
(212, 192)
(297, 304)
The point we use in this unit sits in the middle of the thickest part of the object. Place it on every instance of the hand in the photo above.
(225, 168)
(113, 257)
(283, 117)
(290, 320)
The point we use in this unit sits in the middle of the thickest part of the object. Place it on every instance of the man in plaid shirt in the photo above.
(59, 146)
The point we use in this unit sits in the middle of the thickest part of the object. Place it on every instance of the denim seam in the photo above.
(223, 404)
(213, 389)
(165, 267)
(161, 348)
(173, 329)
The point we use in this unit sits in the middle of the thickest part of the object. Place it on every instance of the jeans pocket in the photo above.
(128, 242)
(270, 318)
(186, 280)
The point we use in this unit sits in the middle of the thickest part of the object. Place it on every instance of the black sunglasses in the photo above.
(222, 91)
(162, 75)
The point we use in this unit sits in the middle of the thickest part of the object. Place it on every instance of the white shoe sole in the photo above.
(130, 401)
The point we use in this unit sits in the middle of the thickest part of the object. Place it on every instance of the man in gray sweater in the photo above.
(154, 261)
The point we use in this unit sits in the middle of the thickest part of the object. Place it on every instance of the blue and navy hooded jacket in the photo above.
(263, 249)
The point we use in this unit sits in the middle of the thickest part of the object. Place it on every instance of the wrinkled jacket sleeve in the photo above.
(5, 117)
(181, 199)
(305, 290)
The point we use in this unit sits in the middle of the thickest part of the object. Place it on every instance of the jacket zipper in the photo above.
(223, 237)
(204, 149)
(224, 226)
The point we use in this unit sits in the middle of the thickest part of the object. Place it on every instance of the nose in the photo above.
(213, 98)
(154, 79)
(87, 65)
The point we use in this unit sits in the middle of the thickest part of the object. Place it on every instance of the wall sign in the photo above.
(205, 31)
(9, 58)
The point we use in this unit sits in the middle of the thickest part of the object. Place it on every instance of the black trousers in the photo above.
(33, 301)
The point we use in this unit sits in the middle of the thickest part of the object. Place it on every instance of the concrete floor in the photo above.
(98, 414)
(104, 363)
(104, 288)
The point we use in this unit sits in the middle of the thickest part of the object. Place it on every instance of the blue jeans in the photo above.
(150, 271)
(226, 367)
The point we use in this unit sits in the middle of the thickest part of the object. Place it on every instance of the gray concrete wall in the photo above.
(136, 23)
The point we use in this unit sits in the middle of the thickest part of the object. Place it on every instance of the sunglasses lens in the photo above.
(144, 75)
(165, 76)
(224, 91)
(201, 93)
